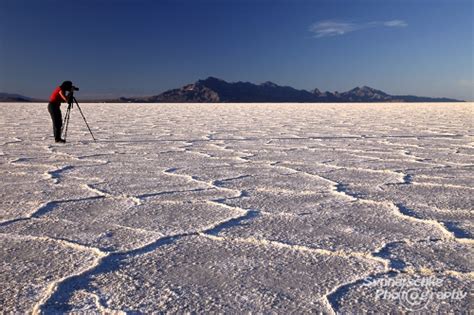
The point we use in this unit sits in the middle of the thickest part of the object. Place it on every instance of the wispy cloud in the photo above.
(336, 28)
(395, 23)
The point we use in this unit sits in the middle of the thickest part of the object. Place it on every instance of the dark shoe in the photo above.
(60, 141)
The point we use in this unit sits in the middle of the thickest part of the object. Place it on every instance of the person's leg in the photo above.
(59, 125)
(57, 119)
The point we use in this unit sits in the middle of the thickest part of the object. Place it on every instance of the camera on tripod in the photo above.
(70, 95)
(71, 100)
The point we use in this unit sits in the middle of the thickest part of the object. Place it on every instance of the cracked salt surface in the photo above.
(236, 207)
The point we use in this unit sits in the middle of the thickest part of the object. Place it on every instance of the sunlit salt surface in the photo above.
(286, 208)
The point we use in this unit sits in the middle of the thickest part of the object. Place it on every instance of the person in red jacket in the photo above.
(54, 108)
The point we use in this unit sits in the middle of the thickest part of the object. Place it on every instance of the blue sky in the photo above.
(113, 48)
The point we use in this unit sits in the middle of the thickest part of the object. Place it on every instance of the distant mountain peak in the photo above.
(364, 88)
(372, 90)
(212, 79)
(366, 93)
(269, 84)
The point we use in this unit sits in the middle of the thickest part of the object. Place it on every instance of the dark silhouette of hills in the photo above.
(7, 97)
(212, 90)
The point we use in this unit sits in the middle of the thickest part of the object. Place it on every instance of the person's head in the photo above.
(66, 86)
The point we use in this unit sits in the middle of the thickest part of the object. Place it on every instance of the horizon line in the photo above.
(103, 97)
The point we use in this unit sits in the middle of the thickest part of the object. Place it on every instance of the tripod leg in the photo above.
(66, 122)
(83, 117)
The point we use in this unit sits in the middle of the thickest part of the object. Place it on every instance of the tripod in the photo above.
(71, 101)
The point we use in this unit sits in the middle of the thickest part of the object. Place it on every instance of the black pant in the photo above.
(55, 112)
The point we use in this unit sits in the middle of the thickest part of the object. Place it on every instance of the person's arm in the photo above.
(63, 96)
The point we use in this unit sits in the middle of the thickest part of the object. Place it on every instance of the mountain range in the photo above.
(214, 90)
(8, 97)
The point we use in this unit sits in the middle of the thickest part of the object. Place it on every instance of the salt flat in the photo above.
(286, 208)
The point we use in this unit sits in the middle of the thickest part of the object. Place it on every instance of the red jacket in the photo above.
(55, 97)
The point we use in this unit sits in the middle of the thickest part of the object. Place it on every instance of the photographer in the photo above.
(57, 97)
